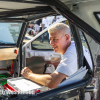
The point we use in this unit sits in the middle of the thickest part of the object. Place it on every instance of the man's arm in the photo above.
(51, 81)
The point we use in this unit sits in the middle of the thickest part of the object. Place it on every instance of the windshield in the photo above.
(9, 32)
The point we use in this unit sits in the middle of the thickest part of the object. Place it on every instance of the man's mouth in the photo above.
(54, 48)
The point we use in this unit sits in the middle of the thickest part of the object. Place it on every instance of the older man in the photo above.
(60, 40)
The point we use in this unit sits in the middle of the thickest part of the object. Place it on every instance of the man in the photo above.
(54, 20)
(60, 40)
(46, 24)
(37, 25)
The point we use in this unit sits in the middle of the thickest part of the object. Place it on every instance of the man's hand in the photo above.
(26, 72)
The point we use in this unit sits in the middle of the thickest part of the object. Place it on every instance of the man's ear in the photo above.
(67, 37)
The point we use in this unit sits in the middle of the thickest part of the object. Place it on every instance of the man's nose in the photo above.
(51, 42)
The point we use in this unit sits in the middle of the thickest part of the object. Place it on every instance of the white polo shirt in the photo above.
(68, 64)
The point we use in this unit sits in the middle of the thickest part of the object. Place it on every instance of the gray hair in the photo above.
(59, 27)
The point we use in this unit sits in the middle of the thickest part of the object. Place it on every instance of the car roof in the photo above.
(10, 8)
(29, 7)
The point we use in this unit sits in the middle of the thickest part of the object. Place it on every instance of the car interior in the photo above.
(83, 17)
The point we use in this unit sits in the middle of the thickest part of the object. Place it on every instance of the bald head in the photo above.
(60, 28)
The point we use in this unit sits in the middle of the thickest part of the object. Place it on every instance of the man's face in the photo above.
(58, 41)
